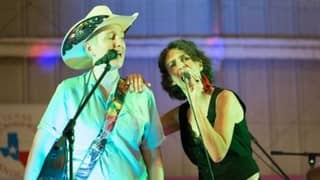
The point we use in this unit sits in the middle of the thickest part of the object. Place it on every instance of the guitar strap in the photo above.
(97, 146)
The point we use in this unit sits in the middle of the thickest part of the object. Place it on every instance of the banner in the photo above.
(18, 124)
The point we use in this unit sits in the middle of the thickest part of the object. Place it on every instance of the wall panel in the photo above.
(284, 120)
(142, 26)
(307, 17)
(41, 79)
(280, 17)
(231, 75)
(40, 18)
(229, 17)
(198, 17)
(252, 17)
(166, 20)
(205, 17)
(12, 80)
(69, 12)
(13, 22)
(309, 105)
(254, 91)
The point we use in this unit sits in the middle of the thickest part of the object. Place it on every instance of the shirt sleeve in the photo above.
(55, 117)
(153, 135)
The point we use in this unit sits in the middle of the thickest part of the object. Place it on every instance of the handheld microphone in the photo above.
(185, 76)
(111, 54)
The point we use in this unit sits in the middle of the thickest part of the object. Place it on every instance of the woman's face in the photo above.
(110, 37)
(178, 62)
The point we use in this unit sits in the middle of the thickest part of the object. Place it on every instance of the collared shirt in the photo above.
(137, 126)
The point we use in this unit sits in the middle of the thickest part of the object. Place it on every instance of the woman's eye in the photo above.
(171, 65)
(186, 58)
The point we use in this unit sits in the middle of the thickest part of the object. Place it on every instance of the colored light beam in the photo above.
(45, 55)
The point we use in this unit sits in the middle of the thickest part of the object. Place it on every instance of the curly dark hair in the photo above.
(191, 49)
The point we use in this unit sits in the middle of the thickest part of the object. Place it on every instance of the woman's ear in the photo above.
(172, 82)
(200, 66)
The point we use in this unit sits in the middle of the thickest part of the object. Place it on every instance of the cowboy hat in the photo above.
(72, 50)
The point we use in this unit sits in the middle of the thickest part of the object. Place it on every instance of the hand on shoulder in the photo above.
(136, 82)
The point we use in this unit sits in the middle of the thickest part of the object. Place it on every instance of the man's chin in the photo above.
(116, 64)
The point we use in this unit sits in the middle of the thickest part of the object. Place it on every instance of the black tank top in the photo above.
(238, 164)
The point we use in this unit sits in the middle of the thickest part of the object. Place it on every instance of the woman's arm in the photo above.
(217, 137)
(170, 121)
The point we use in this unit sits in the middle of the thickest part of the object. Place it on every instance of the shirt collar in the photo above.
(91, 80)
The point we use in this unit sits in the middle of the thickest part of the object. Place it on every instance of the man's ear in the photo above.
(88, 48)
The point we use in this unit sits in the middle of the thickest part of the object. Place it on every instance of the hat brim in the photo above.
(77, 57)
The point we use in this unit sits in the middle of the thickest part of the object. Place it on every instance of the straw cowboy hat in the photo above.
(72, 49)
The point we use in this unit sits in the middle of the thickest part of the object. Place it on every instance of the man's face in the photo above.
(110, 37)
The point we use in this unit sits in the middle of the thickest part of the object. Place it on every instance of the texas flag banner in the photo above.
(18, 124)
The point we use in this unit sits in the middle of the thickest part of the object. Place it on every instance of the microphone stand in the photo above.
(285, 176)
(198, 127)
(311, 156)
(68, 132)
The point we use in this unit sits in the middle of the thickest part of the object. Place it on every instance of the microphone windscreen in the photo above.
(111, 54)
(186, 75)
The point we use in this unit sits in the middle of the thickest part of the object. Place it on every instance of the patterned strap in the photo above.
(98, 145)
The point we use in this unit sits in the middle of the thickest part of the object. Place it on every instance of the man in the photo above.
(132, 130)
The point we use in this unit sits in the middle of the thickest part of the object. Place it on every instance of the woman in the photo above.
(212, 122)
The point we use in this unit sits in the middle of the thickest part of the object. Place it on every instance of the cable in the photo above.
(284, 175)
(266, 164)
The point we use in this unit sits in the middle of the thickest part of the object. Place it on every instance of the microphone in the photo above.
(185, 76)
(111, 54)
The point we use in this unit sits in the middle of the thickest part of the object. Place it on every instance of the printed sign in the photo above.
(18, 124)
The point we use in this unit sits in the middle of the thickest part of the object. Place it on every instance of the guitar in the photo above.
(55, 164)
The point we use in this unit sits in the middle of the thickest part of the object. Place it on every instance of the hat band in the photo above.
(82, 31)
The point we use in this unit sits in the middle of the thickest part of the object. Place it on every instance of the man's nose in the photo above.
(117, 43)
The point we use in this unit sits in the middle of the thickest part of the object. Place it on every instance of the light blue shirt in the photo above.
(137, 126)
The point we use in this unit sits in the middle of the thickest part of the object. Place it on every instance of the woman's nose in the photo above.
(180, 64)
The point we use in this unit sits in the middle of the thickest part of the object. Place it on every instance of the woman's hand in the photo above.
(136, 82)
(191, 84)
